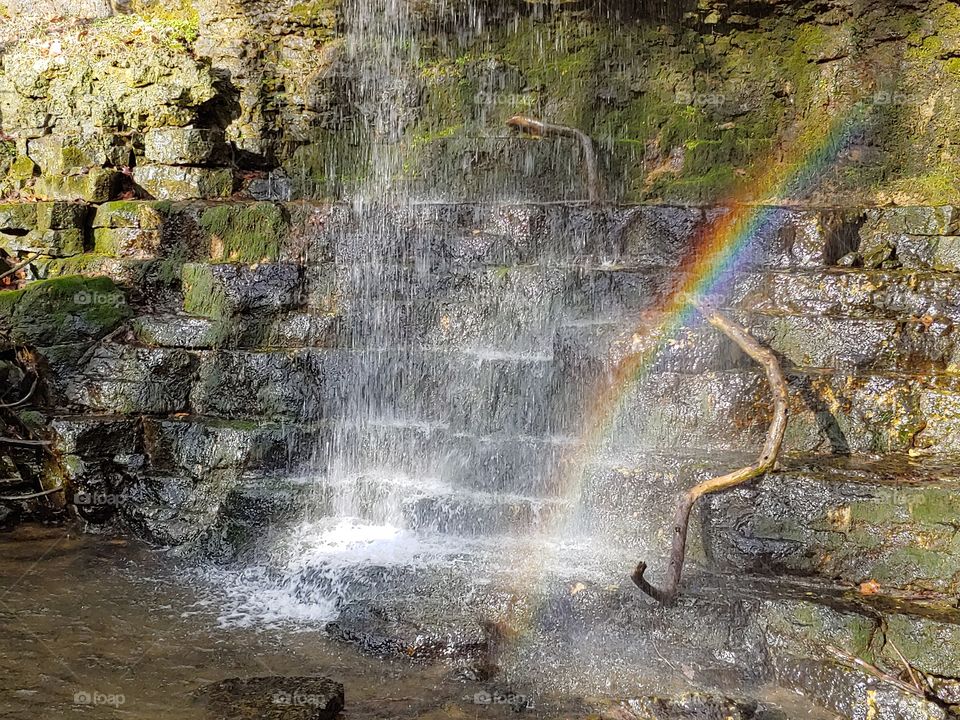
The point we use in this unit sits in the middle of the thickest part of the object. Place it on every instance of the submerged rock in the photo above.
(273, 697)
(690, 706)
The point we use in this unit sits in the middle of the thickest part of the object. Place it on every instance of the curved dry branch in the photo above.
(31, 496)
(768, 456)
(21, 401)
(540, 128)
(20, 266)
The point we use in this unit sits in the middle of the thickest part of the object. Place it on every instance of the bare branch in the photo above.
(541, 129)
(22, 400)
(768, 456)
(19, 266)
(848, 659)
(31, 496)
(20, 441)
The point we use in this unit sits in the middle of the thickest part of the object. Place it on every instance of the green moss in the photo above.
(245, 233)
(202, 294)
(175, 24)
(62, 310)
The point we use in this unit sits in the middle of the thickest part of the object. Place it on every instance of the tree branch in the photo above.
(20, 266)
(541, 129)
(22, 400)
(768, 456)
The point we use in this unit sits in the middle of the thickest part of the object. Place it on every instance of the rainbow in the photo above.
(710, 262)
(712, 259)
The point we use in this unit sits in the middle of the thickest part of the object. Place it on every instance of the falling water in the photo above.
(448, 473)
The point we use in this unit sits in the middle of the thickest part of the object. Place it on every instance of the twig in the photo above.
(32, 496)
(22, 400)
(907, 665)
(875, 671)
(20, 441)
(540, 128)
(19, 266)
(768, 456)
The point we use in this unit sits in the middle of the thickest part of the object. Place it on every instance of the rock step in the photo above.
(892, 520)
(585, 348)
(540, 296)
(490, 234)
(835, 412)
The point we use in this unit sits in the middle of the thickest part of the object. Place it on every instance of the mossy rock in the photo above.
(64, 310)
(247, 232)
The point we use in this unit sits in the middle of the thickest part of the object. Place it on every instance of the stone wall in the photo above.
(692, 105)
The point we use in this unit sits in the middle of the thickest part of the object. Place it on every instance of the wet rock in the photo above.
(389, 631)
(171, 509)
(257, 506)
(851, 693)
(126, 379)
(270, 385)
(691, 705)
(183, 331)
(65, 310)
(850, 524)
(166, 182)
(932, 647)
(198, 444)
(223, 290)
(914, 220)
(96, 435)
(273, 698)
(184, 146)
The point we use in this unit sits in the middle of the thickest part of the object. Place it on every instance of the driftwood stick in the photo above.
(26, 397)
(768, 456)
(541, 129)
(31, 496)
(20, 266)
(19, 441)
(853, 661)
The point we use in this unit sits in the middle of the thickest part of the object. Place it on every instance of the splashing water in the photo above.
(459, 439)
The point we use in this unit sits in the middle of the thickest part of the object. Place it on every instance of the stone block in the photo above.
(97, 186)
(65, 310)
(143, 214)
(96, 435)
(18, 217)
(130, 380)
(75, 154)
(127, 242)
(266, 385)
(61, 215)
(185, 146)
(165, 182)
(222, 290)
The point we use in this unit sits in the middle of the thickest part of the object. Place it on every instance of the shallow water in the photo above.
(91, 617)
(96, 626)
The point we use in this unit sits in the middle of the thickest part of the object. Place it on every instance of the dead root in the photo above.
(768, 456)
(542, 129)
